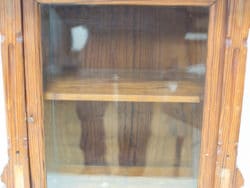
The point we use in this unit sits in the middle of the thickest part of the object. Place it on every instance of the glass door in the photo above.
(119, 94)
(123, 94)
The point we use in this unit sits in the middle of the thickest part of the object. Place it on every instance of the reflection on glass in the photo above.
(123, 94)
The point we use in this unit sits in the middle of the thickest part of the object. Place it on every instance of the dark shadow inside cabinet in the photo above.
(123, 89)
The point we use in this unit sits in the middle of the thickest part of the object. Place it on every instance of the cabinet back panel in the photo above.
(125, 37)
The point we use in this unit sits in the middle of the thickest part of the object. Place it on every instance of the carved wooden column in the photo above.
(92, 142)
(134, 132)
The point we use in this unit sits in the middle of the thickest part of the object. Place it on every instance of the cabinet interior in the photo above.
(123, 89)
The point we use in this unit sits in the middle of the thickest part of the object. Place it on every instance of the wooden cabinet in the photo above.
(124, 93)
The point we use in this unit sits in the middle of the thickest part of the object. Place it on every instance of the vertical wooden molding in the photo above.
(232, 94)
(212, 102)
(12, 52)
(34, 92)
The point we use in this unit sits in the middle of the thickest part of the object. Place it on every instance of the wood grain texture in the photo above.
(126, 37)
(34, 91)
(232, 93)
(232, 87)
(132, 2)
(17, 171)
(213, 106)
(93, 135)
(126, 134)
(122, 86)
(213, 95)
(120, 171)
(134, 132)
(145, 35)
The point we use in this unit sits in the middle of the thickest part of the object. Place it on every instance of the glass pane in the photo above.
(123, 95)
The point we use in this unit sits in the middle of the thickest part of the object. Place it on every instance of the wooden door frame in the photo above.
(16, 173)
(223, 98)
(212, 95)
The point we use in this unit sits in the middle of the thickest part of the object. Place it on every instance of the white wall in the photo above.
(243, 160)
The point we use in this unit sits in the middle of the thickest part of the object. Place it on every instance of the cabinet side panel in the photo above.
(17, 171)
(232, 94)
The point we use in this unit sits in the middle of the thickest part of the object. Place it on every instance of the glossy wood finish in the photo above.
(35, 77)
(34, 93)
(17, 171)
(120, 171)
(132, 2)
(150, 44)
(143, 42)
(126, 135)
(232, 92)
(92, 140)
(212, 103)
(122, 86)
(229, 134)
(214, 111)
(134, 38)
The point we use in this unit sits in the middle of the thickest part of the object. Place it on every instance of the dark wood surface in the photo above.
(93, 135)
(121, 135)
(127, 37)
(133, 54)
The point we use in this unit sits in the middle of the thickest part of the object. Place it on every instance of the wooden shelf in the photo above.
(127, 86)
(122, 171)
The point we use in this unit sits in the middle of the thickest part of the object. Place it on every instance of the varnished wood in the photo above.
(121, 171)
(149, 45)
(150, 124)
(39, 116)
(232, 89)
(233, 85)
(36, 98)
(34, 91)
(132, 2)
(212, 97)
(136, 87)
(145, 41)
(17, 172)
(213, 88)
(92, 140)
(134, 135)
